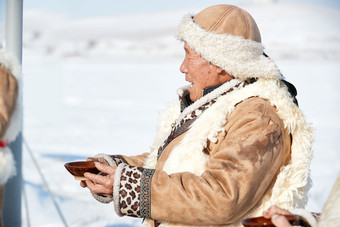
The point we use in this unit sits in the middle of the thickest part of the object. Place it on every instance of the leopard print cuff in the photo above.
(118, 159)
(129, 190)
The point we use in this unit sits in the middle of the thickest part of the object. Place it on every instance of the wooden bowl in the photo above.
(77, 169)
(262, 221)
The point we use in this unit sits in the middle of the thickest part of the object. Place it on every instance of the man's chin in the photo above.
(194, 97)
(194, 93)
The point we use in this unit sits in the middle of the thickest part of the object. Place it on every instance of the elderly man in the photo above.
(9, 119)
(234, 143)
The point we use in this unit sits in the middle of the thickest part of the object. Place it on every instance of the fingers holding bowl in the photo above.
(275, 210)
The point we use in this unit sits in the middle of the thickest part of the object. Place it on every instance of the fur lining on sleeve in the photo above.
(7, 165)
(107, 158)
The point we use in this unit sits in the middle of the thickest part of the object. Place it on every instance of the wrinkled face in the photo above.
(199, 72)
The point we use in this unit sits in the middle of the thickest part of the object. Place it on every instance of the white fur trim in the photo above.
(107, 158)
(116, 187)
(195, 140)
(15, 124)
(102, 199)
(293, 182)
(241, 58)
(167, 118)
(7, 165)
(217, 92)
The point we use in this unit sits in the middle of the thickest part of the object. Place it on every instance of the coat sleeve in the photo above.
(115, 160)
(118, 160)
(241, 168)
(8, 96)
(137, 160)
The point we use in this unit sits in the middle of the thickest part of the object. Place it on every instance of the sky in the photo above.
(90, 8)
(85, 8)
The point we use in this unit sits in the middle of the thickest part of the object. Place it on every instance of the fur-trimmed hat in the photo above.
(229, 38)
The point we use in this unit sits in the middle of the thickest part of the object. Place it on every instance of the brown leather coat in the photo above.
(241, 169)
(8, 96)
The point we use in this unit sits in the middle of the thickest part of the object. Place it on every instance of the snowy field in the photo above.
(97, 85)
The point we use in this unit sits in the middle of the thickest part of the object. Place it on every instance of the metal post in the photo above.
(12, 203)
(14, 28)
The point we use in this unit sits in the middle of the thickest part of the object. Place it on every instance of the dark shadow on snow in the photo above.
(66, 157)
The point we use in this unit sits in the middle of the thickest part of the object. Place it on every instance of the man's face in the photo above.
(199, 72)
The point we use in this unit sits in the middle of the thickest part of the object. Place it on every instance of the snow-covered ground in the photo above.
(97, 85)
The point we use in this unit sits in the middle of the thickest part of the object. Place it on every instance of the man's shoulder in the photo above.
(254, 104)
(256, 107)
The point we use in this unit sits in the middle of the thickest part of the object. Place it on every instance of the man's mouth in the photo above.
(190, 83)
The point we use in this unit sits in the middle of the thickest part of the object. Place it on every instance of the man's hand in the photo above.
(93, 159)
(101, 184)
(275, 213)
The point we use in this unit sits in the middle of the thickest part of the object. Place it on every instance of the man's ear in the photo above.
(222, 72)
(216, 68)
(219, 70)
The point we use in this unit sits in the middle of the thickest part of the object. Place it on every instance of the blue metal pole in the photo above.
(12, 202)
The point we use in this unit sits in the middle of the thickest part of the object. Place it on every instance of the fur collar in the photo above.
(212, 95)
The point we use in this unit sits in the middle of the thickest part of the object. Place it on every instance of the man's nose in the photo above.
(183, 67)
